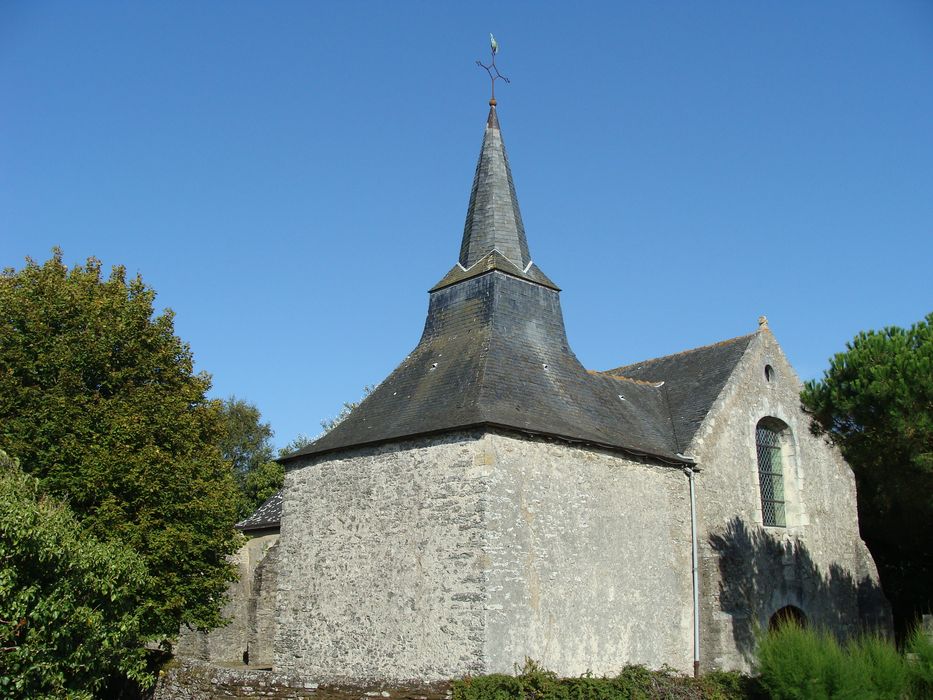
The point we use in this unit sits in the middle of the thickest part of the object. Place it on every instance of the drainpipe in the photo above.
(691, 472)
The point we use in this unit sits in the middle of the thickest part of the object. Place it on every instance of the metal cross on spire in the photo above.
(494, 46)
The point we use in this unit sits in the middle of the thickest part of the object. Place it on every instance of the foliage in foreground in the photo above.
(100, 402)
(633, 683)
(70, 605)
(876, 403)
(803, 664)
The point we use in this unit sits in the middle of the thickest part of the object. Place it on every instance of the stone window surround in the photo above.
(795, 511)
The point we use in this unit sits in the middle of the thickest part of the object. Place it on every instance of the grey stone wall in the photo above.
(466, 553)
(249, 607)
(261, 609)
(383, 549)
(589, 562)
(224, 644)
(817, 563)
(189, 679)
(192, 679)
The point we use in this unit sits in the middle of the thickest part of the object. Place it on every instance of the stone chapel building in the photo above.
(493, 500)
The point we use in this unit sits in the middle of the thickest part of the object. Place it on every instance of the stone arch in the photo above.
(789, 614)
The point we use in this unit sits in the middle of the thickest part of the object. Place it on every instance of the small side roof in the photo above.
(265, 517)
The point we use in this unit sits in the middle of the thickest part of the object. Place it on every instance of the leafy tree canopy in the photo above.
(246, 443)
(298, 443)
(71, 607)
(876, 403)
(99, 400)
(260, 484)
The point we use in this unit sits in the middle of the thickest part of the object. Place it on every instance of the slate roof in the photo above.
(692, 381)
(266, 516)
(493, 220)
(494, 260)
(675, 392)
(494, 353)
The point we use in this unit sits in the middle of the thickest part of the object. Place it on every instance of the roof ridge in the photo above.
(677, 354)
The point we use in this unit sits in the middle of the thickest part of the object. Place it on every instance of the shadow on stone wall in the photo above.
(761, 573)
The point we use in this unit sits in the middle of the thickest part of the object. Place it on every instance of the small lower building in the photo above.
(251, 601)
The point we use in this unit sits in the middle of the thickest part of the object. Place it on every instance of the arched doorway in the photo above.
(789, 614)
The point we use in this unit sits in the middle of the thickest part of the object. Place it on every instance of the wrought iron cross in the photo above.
(494, 46)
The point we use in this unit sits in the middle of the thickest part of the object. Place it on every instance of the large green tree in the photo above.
(71, 607)
(246, 443)
(876, 403)
(99, 401)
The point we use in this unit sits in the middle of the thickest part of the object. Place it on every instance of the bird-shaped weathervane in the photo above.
(493, 77)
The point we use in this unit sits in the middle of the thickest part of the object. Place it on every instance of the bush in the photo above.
(70, 605)
(919, 649)
(632, 683)
(804, 664)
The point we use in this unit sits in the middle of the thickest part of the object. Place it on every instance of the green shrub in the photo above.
(632, 683)
(804, 664)
(883, 666)
(69, 604)
(919, 649)
(731, 685)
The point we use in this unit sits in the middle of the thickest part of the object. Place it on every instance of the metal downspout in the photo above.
(690, 472)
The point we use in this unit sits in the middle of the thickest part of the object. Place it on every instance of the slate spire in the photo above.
(493, 220)
(494, 352)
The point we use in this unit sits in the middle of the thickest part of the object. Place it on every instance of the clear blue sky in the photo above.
(292, 177)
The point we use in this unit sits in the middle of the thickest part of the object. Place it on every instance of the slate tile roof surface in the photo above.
(493, 220)
(646, 415)
(494, 352)
(494, 261)
(266, 516)
(692, 381)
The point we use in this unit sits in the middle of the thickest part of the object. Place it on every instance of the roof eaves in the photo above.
(670, 459)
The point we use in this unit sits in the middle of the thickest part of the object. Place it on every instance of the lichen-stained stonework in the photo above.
(817, 563)
(385, 575)
(260, 633)
(249, 610)
(468, 553)
(589, 559)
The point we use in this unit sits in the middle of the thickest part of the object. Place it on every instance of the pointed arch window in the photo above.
(770, 475)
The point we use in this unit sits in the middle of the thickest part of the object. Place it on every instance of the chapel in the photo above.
(493, 500)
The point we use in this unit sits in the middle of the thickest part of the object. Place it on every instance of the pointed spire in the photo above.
(493, 220)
